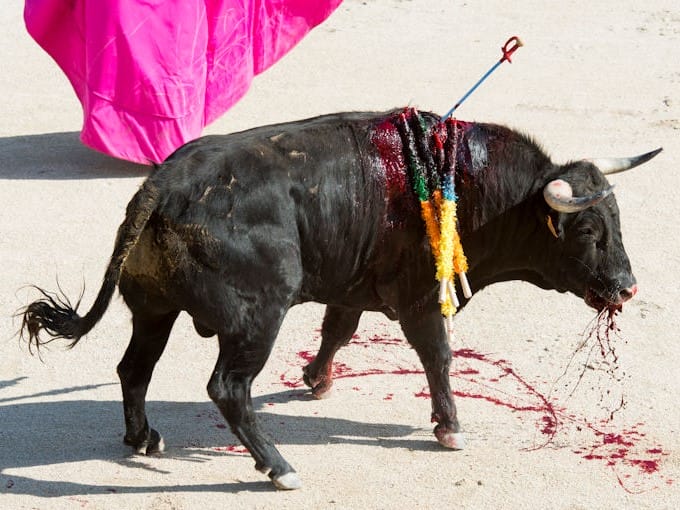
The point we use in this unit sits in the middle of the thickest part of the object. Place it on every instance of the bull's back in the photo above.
(249, 206)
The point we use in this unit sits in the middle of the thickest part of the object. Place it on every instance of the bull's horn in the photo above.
(559, 196)
(610, 166)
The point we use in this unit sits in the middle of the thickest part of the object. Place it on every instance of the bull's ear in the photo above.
(554, 224)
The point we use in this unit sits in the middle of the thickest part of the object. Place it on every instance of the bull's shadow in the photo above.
(66, 431)
(59, 156)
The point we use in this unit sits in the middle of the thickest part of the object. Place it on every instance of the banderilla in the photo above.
(508, 49)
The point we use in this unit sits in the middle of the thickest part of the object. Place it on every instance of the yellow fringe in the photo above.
(460, 263)
(440, 224)
(447, 229)
(448, 308)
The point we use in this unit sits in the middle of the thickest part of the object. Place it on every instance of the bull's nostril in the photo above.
(626, 294)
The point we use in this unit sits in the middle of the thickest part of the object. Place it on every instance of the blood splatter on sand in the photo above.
(635, 460)
(232, 448)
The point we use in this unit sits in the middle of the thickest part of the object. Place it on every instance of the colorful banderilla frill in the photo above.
(432, 171)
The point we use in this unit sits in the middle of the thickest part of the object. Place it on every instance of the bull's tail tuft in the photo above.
(54, 314)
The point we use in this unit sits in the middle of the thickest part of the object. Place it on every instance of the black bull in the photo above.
(236, 229)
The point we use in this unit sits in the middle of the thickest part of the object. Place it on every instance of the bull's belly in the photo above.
(189, 269)
(362, 294)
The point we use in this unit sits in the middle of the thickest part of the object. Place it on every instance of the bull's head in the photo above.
(594, 264)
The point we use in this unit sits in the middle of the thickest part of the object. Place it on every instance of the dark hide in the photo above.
(236, 229)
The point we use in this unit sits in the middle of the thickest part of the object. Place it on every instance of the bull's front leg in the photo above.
(425, 332)
(339, 324)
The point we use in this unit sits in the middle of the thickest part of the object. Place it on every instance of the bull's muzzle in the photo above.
(621, 292)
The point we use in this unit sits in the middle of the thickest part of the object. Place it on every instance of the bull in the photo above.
(236, 229)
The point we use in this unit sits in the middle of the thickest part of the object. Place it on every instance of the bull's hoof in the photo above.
(305, 376)
(321, 391)
(321, 387)
(289, 481)
(449, 439)
(156, 444)
(152, 444)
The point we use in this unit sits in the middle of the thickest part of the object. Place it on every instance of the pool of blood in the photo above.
(635, 460)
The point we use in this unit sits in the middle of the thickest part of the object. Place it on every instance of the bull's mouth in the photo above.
(596, 301)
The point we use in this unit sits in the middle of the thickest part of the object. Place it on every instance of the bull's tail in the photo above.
(54, 314)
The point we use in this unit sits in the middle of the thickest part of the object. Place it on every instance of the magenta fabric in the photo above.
(151, 74)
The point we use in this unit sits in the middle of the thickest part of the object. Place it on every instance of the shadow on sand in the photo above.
(56, 156)
(68, 431)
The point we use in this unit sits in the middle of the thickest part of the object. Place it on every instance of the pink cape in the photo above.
(151, 74)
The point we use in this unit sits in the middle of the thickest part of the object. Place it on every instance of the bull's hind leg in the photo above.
(339, 324)
(241, 357)
(150, 333)
(426, 333)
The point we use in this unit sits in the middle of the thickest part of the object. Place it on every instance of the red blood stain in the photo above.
(296, 383)
(648, 466)
(470, 354)
(616, 439)
(82, 502)
(480, 376)
(468, 371)
(387, 140)
(383, 341)
(232, 448)
(308, 356)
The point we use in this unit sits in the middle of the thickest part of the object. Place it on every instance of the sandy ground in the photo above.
(595, 78)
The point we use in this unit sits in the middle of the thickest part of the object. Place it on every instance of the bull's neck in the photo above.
(496, 173)
(420, 156)
(500, 187)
